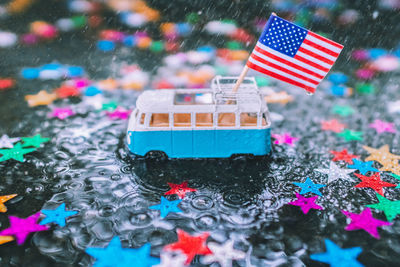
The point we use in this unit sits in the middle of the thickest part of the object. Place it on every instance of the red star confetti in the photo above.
(306, 203)
(333, 125)
(6, 84)
(374, 181)
(190, 245)
(67, 91)
(383, 126)
(343, 155)
(285, 138)
(179, 189)
(364, 221)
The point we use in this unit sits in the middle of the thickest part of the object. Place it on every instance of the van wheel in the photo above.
(156, 155)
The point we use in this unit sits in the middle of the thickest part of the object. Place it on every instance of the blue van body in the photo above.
(212, 143)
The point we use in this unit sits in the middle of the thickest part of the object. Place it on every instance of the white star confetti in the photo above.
(334, 173)
(223, 254)
(171, 260)
(7, 142)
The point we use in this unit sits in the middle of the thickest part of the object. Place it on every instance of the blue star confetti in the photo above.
(57, 216)
(363, 167)
(338, 257)
(115, 255)
(309, 186)
(167, 206)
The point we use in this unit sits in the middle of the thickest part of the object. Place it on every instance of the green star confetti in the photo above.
(390, 208)
(35, 141)
(343, 111)
(17, 153)
(349, 135)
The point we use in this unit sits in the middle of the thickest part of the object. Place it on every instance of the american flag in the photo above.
(293, 54)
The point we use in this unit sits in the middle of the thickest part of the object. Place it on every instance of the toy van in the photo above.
(201, 123)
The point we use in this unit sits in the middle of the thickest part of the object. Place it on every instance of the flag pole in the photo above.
(243, 74)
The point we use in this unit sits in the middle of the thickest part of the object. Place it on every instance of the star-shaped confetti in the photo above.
(110, 106)
(306, 203)
(391, 166)
(309, 186)
(17, 153)
(363, 167)
(390, 208)
(41, 99)
(343, 111)
(223, 254)
(381, 155)
(171, 260)
(334, 173)
(190, 245)
(281, 97)
(7, 142)
(374, 181)
(343, 155)
(21, 228)
(67, 91)
(57, 216)
(115, 255)
(62, 113)
(3, 199)
(167, 206)
(337, 256)
(285, 138)
(383, 126)
(364, 221)
(333, 125)
(6, 239)
(35, 141)
(179, 189)
(394, 107)
(119, 114)
(350, 135)
(397, 177)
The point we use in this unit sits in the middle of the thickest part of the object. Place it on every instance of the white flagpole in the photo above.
(243, 74)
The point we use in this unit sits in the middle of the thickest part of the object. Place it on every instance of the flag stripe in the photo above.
(290, 61)
(323, 49)
(314, 55)
(269, 63)
(325, 40)
(323, 44)
(279, 72)
(318, 52)
(301, 57)
(280, 77)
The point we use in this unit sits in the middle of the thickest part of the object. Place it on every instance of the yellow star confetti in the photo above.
(42, 98)
(5, 239)
(281, 97)
(381, 155)
(5, 199)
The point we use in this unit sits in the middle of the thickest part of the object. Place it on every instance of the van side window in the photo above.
(204, 119)
(141, 121)
(226, 119)
(264, 119)
(248, 119)
(182, 120)
(159, 120)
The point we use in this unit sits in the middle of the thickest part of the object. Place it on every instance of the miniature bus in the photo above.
(201, 123)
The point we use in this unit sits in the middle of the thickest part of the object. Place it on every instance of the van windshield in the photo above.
(193, 99)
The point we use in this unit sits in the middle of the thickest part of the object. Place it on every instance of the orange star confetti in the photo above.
(381, 155)
(391, 166)
(5, 199)
(41, 99)
(6, 239)
(67, 91)
(280, 97)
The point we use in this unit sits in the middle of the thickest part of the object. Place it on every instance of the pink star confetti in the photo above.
(119, 114)
(285, 138)
(383, 126)
(332, 125)
(62, 113)
(21, 228)
(306, 203)
(364, 221)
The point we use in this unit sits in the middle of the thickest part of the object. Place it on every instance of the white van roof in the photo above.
(221, 98)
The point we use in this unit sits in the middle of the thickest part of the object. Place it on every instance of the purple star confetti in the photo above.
(285, 138)
(306, 203)
(62, 113)
(383, 126)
